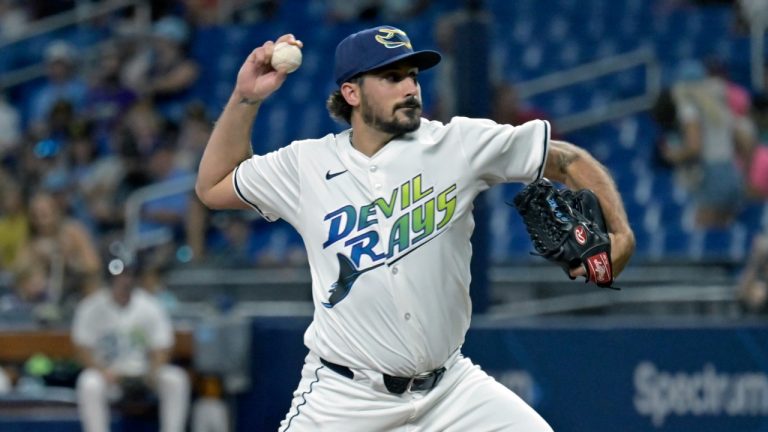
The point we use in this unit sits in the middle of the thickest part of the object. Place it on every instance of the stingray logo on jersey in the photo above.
(423, 215)
(393, 38)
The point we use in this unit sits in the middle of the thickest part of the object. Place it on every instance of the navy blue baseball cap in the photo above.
(377, 47)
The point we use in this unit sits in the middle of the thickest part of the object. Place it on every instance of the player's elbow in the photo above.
(562, 158)
(205, 195)
(220, 196)
(632, 242)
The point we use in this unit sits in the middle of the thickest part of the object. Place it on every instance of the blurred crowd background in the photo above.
(105, 107)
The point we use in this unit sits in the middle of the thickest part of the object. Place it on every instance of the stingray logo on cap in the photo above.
(393, 38)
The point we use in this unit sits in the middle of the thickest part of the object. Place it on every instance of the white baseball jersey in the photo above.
(388, 236)
(122, 337)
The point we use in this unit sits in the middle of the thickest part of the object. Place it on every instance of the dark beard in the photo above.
(394, 126)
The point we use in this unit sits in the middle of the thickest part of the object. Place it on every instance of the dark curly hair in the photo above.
(338, 107)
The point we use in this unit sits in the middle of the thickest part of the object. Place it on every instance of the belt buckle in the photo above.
(424, 375)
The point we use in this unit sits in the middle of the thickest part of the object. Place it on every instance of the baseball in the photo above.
(286, 57)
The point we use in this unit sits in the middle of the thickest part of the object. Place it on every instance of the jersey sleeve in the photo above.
(270, 183)
(499, 153)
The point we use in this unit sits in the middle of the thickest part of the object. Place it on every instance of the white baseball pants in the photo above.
(94, 395)
(466, 399)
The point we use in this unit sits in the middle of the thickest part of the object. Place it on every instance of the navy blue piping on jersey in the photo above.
(304, 396)
(245, 200)
(546, 148)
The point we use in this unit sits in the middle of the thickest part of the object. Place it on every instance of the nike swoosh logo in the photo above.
(330, 175)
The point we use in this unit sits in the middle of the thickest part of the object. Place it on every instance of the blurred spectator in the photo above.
(448, 86)
(172, 223)
(194, 131)
(164, 71)
(507, 108)
(756, 165)
(107, 99)
(62, 84)
(33, 296)
(233, 243)
(105, 183)
(82, 164)
(124, 339)
(10, 124)
(444, 105)
(169, 211)
(709, 142)
(64, 250)
(14, 223)
(751, 157)
(197, 226)
(14, 18)
(143, 128)
(31, 285)
(42, 160)
(109, 181)
(238, 238)
(664, 112)
(753, 286)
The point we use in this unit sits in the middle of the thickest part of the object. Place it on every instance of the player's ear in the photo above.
(350, 91)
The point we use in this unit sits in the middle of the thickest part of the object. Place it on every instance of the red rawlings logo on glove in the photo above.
(580, 233)
(600, 268)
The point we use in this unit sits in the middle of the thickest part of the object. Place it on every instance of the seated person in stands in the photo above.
(163, 70)
(124, 338)
(62, 83)
(31, 299)
(14, 222)
(64, 249)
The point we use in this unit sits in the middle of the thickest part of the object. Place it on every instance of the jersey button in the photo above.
(407, 316)
(394, 270)
(373, 168)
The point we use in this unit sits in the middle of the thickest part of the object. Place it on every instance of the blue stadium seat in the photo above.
(676, 244)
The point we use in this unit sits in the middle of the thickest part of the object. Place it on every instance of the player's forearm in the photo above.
(229, 144)
(577, 169)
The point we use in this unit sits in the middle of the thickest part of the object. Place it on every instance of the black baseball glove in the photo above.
(568, 229)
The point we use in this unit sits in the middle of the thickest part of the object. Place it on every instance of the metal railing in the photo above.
(645, 57)
(136, 240)
(604, 298)
(83, 11)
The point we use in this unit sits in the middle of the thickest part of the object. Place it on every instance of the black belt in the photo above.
(396, 385)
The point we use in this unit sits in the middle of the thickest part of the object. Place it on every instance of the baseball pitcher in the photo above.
(385, 211)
